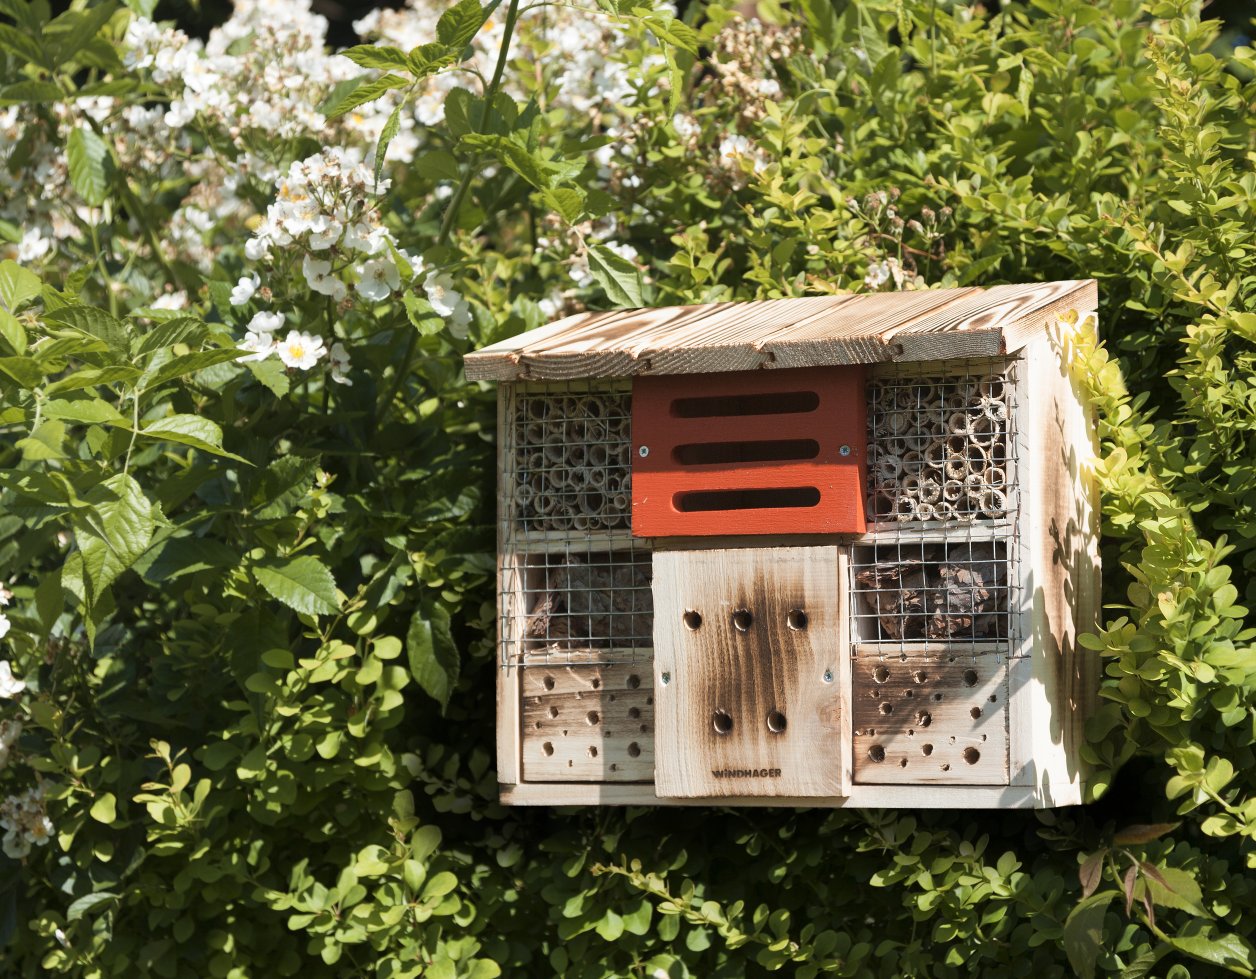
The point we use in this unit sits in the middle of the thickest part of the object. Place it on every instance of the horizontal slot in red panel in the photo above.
(711, 453)
(782, 452)
(710, 501)
(724, 406)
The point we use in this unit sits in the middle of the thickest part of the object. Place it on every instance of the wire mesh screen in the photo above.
(575, 583)
(570, 469)
(930, 590)
(941, 446)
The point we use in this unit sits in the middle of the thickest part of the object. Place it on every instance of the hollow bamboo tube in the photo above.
(992, 388)
(904, 509)
(952, 490)
(924, 511)
(996, 477)
(935, 455)
(930, 490)
(942, 510)
(993, 502)
(956, 468)
(913, 462)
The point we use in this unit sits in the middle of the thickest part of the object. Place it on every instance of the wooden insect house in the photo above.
(824, 551)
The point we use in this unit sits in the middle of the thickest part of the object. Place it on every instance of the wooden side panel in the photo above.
(1060, 537)
(584, 723)
(508, 597)
(758, 452)
(930, 719)
(750, 660)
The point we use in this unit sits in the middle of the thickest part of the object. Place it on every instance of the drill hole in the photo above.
(924, 718)
(886, 707)
(595, 683)
(692, 619)
(972, 755)
(634, 713)
(634, 681)
(970, 678)
(547, 749)
(553, 712)
(975, 713)
(902, 763)
(920, 676)
(926, 750)
(592, 717)
(548, 683)
(776, 722)
(796, 619)
(742, 620)
(592, 751)
(937, 696)
(881, 674)
(876, 753)
(722, 721)
(634, 750)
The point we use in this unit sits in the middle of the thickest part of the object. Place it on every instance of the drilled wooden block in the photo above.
(587, 723)
(929, 718)
(749, 671)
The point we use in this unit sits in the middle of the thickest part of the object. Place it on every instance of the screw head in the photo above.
(844, 450)
(828, 676)
(643, 451)
(666, 678)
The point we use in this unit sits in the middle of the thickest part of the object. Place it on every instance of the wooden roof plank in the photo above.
(781, 333)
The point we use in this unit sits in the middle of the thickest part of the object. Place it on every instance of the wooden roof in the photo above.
(935, 324)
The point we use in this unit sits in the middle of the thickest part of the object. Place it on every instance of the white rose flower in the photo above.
(5, 624)
(317, 272)
(39, 831)
(377, 278)
(264, 322)
(10, 686)
(15, 845)
(170, 300)
(243, 290)
(257, 248)
(878, 275)
(439, 287)
(324, 232)
(10, 731)
(301, 350)
(338, 361)
(259, 346)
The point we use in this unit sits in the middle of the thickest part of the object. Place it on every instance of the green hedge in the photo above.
(249, 606)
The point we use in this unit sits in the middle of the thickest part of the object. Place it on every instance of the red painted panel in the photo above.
(749, 452)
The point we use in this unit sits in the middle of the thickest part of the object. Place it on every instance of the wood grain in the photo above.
(930, 719)
(782, 333)
(1061, 548)
(765, 683)
(587, 723)
(860, 797)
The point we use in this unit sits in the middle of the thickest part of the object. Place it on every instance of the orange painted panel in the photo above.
(749, 452)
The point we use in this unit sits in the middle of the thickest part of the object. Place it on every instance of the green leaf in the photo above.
(70, 33)
(185, 329)
(191, 430)
(17, 284)
(427, 59)
(105, 808)
(1090, 873)
(12, 331)
(1143, 833)
(364, 93)
(567, 202)
(179, 556)
(25, 45)
(377, 56)
(385, 137)
(20, 93)
(439, 885)
(87, 411)
(112, 532)
(86, 154)
(422, 316)
(80, 906)
(46, 441)
(460, 23)
(282, 485)
(1171, 887)
(23, 370)
(270, 374)
(1083, 932)
(618, 277)
(302, 583)
(95, 323)
(541, 168)
(175, 367)
(1204, 941)
(611, 926)
(431, 652)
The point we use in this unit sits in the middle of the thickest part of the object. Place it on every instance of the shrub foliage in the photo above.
(246, 706)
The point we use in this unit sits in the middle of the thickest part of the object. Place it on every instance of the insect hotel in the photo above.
(824, 551)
